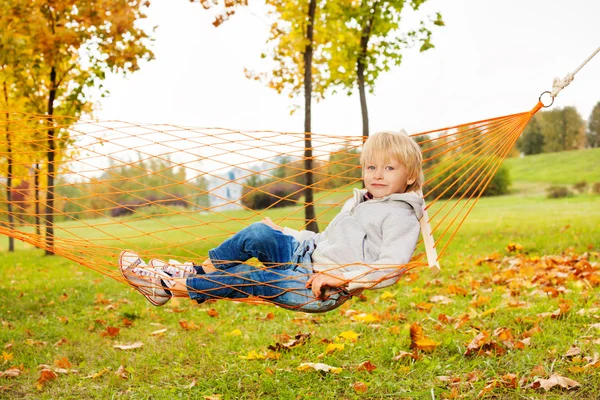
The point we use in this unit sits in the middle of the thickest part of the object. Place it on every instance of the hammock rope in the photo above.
(559, 84)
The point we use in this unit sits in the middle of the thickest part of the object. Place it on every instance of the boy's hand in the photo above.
(323, 280)
(267, 221)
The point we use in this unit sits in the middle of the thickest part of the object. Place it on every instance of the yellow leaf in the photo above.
(319, 367)
(364, 318)
(7, 356)
(387, 295)
(350, 335)
(253, 355)
(235, 332)
(333, 347)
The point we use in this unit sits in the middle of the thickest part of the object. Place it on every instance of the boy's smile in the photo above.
(385, 178)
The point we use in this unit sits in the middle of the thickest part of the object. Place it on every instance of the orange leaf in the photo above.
(418, 339)
(62, 363)
(46, 375)
(366, 366)
(212, 313)
(360, 387)
(111, 331)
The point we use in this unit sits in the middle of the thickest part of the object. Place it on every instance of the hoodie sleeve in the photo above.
(400, 235)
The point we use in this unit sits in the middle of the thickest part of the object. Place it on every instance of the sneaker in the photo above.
(144, 279)
(174, 268)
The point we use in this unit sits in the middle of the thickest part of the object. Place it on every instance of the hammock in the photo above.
(173, 192)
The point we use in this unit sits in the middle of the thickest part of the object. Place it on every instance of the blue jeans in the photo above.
(282, 280)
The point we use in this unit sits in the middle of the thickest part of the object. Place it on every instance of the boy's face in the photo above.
(385, 178)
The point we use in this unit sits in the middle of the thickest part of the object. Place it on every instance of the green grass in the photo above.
(564, 168)
(45, 299)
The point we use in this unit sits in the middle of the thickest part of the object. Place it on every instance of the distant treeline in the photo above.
(560, 129)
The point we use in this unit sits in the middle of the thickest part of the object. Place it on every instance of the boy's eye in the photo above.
(389, 168)
(371, 167)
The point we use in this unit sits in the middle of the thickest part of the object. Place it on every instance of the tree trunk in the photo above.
(49, 217)
(36, 193)
(360, 73)
(309, 210)
(11, 222)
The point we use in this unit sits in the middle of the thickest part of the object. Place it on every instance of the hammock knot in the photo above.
(559, 84)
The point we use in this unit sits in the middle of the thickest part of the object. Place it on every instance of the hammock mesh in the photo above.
(174, 192)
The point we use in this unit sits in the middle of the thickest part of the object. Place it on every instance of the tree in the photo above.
(71, 46)
(593, 133)
(367, 41)
(532, 139)
(563, 129)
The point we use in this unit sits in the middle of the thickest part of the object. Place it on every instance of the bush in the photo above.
(273, 193)
(596, 188)
(581, 187)
(556, 192)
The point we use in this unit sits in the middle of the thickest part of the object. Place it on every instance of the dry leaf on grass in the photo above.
(320, 367)
(111, 331)
(46, 375)
(418, 340)
(366, 366)
(297, 341)
(12, 372)
(122, 372)
(554, 380)
(132, 346)
(360, 387)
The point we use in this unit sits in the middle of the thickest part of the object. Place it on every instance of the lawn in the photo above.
(489, 318)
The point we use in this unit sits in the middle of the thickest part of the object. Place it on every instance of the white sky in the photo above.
(492, 58)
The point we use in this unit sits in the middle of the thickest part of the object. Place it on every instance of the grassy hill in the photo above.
(564, 168)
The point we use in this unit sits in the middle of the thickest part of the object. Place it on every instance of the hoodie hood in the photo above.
(413, 199)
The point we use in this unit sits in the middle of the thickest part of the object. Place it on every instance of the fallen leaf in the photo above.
(122, 372)
(297, 341)
(46, 375)
(386, 295)
(111, 331)
(349, 335)
(573, 351)
(418, 340)
(333, 347)
(7, 356)
(12, 372)
(159, 332)
(360, 387)
(554, 380)
(364, 318)
(97, 374)
(441, 299)
(319, 367)
(235, 332)
(135, 345)
(188, 326)
(212, 313)
(62, 363)
(366, 366)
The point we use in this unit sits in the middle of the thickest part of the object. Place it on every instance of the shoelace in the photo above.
(143, 272)
(176, 269)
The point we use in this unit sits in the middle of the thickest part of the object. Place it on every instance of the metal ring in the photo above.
(550, 93)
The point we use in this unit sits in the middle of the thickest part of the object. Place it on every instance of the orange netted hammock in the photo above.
(173, 192)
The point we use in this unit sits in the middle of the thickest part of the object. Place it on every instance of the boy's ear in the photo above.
(410, 181)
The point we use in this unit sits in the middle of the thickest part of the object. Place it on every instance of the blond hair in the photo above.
(387, 145)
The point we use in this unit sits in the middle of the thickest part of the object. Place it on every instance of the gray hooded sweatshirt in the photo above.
(369, 238)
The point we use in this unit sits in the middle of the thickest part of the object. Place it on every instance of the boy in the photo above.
(362, 248)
